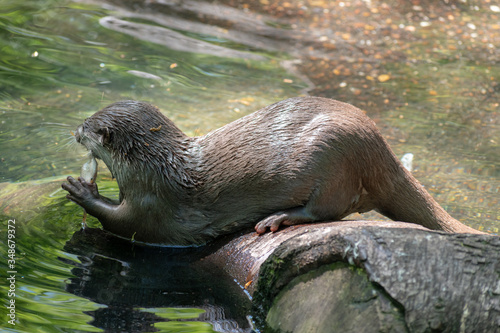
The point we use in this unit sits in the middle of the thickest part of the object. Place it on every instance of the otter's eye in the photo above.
(105, 135)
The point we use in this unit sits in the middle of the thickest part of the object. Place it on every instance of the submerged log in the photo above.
(368, 277)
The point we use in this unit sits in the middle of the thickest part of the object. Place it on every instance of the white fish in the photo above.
(89, 170)
(407, 161)
(89, 174)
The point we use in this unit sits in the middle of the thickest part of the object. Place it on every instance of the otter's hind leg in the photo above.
(287, 217)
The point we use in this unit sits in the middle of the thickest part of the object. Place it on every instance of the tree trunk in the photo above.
(368, 276)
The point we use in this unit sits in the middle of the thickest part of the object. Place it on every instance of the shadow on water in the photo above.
(142, 286)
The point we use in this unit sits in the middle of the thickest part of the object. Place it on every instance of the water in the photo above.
(60, 61)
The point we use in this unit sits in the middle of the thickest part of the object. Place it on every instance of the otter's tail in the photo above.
(399, 196)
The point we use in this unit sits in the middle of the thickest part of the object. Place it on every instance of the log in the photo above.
(369, 276)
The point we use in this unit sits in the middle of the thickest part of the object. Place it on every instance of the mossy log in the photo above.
(369, 277)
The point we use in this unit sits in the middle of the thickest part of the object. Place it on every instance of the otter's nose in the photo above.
(78, 133)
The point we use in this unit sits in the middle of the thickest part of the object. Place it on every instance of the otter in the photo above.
(304, 159)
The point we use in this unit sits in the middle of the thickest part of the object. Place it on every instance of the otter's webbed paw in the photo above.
(80, 192)
(288, 217)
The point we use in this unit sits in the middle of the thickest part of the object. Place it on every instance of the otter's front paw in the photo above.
(81, 192)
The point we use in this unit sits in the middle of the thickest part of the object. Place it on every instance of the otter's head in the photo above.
(129, 134)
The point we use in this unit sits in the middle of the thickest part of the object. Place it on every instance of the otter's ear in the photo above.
(105, 135)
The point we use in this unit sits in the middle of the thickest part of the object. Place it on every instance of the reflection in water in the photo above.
(176, 283)
(214, 22)
(171, 39)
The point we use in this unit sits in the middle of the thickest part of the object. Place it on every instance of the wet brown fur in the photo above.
(299, 160)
